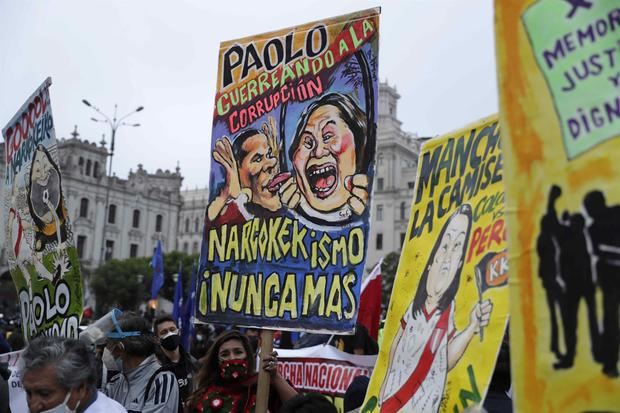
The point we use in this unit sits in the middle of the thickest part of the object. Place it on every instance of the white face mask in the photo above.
(111, 363)
(62, 407)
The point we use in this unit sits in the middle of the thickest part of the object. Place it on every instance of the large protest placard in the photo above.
(560, 112)
(42, 258)
(323, 369)
(449, 306)
(293, 147)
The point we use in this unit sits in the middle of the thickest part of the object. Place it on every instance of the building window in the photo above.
(109, 249)
(81, 165)
(402, 238)
(96, 170)
(379, 212)
(186, 224)
(403, 210)
(88, 166)
(185, 248)
(391, 109)
(197, 225)
(379, 241)
(195, 248)
(112, 214)
(380, 159)
(84, 207)
(159, 221)
(410, 184)
(81, 245)
(136, 218)
(380, 184)
(133, 250)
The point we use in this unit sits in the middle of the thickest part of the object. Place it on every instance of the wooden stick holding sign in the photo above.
(264, 377)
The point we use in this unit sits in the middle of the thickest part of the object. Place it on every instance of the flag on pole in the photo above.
(157, 263)
(178, 298)
(187, 326)
(370, 302)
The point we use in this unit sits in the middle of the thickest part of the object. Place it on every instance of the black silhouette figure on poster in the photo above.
(604, 232)
(547, 265)
(565, 269)
(576, 275)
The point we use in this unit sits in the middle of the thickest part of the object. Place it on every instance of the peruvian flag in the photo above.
(370, 302)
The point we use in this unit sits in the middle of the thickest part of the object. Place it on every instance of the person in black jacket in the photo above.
(173, 356)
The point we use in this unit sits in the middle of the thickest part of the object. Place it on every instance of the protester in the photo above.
(309, 403)
(16, 339)
(143, 384)
(59, 376)
(359, 343)
(354, 396)
(173, 356)
(227, 379)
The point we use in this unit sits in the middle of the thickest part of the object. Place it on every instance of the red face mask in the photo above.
(234, 370)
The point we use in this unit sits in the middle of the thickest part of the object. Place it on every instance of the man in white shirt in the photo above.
(59, 374)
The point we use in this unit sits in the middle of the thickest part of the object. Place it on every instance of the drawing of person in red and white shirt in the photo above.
(428, 345)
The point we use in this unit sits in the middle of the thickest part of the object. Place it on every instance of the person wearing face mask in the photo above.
(59, 376)
(227, 380)
(173, 356)
(142, 385)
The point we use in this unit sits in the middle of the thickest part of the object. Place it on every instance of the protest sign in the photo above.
(449, 305)
(293, 146)
(42, 257)
(560, 114)
(17, 396)
(323, 369)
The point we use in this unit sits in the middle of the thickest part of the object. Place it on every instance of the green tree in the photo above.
(116, 283)
(388, 274)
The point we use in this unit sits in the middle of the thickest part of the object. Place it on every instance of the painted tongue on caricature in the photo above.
(277, 181)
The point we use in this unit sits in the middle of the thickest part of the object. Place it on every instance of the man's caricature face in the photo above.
(324, 158)
(257, 169)
(447, 257)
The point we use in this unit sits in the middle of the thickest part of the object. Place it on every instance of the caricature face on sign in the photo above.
(45, 187)
(257, 169)
(448, 257)
(324, 158)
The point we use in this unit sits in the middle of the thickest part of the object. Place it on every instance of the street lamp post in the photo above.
(114, 125)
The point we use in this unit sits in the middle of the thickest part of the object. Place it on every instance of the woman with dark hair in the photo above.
(45, 200)
(328, 156)
(427, 344)
(227, 380)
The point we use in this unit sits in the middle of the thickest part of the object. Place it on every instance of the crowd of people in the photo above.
(142, 367)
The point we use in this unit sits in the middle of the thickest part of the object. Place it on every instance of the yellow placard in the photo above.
(449, 305)
(560, 113)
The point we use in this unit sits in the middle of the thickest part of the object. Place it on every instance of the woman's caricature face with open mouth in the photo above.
(324, 158)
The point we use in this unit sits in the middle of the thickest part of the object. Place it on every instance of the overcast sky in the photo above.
(163, 55)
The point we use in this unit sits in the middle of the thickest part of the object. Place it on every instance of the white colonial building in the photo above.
(191, 220)
(397, 162)
(141, 209)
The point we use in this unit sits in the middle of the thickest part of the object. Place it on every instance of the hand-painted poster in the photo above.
(293, 149)
(559, 72)
(449, 306)
(323, 369)
(42, 258)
